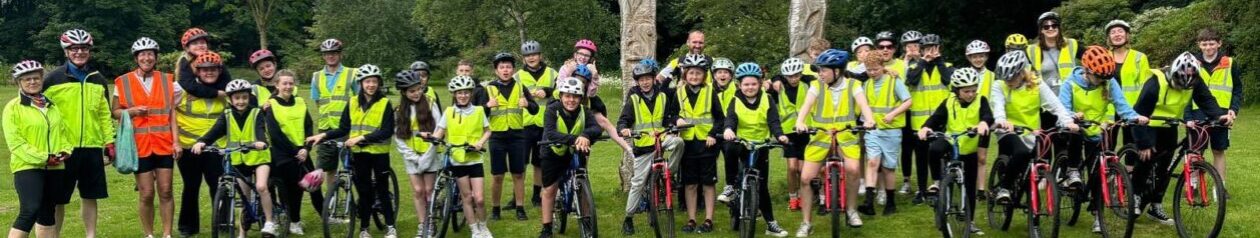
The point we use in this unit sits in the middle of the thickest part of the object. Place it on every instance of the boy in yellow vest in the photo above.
(697, 104)
(645, 111)
(508, 102)
(754, 117)
(790, 93)
(537, 78)
(1222, 79)
(243, 127)
(568, 123)
(965, 111)
(888, 99)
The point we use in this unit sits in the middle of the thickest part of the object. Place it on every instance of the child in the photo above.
(889, 99)
(755, 118)
(242, 126)
(965, 110)
(568, 122)
(537, 78)
(977, 56)
(645, 112)
(290, 121)
(465, 124)
(415, 121)
(697, 105)
(508, 100)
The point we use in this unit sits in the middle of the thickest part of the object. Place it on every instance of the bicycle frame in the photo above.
(835, 160)
(1193, 149)
(1044, 144)
(1106, 156)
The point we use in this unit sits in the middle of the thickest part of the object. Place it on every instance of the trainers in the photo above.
(544, 234)
(627, 227)
(975, 229)
(934, 188)
(390, 232)
(494, 214)
(905, 187)
(296, 228)
(269, 228)
(855, 220)
(1156, 212)
(982, 195)
(1003, 196)
(1074, 178)
(690, 227)
(520, 214)
(1137, 199)
(485, 231)
(794, 204)
(728, 193)
(804, 231)
(881, 197)
(364, 234)
(476, 231)
(773, 229)
(918, 199)
(1097, 226)
(860, 190)
(705, 227)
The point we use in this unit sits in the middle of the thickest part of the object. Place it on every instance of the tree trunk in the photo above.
(638, 41)
(805, 23)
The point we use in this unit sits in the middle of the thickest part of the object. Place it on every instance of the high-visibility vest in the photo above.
(1171, 102)
(263, 93)
(508, 115)
(415, 142)
(1133, 75)
(726, 95)
(897, 65)
(196, 115)
(926, 96)
(1093, 105)
(648, 118)
(962, 118)
(986, 83)
(789, 107)
(152, 129)
(575, 130)
(365, 121)
(244, 135)
(292, 120)
(833, 115)
(546, 80)
(332, 101)
(464, 130)
(1023, 105)
(884, 101)
(753, 124)
(1220, 81)
(1066, 62)
(699, 114)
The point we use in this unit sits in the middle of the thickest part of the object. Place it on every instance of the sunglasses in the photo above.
(1050, 26)
(582, 54)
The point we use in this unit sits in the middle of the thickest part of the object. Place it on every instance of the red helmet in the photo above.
(192, 34)
(312, 180)
(209, 59)
(1098, 61)
(586, 44)
(260, 55)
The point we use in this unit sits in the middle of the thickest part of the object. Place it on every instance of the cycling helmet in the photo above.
(330, 45)
(1117, 23)
(191, 35)
(585, 44)
(312, 180)
(367, 70)
(723, 63)
(502, 56)
(405, 79)
(832, 58)
(582, 70)
(26, 66)
(649, 61)
(964, 77)
(571, 85)
(143, 44)
(419, 65)
(530, 47)
(931, 39)
(1048, 16)
(911, 37)
(1011, 64)
(460, 82)
(977, 46)
(1098, 61)
(860, 41)
(239, 85)
(75, 37)
(748, 69)
(792, 66)
(1185, 69)
(885, 36)
(1016, 41)
(209, 59)
(693, 60)
(643, 68)
(260, 55)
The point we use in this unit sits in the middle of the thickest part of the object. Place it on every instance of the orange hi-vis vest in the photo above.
(153, 129)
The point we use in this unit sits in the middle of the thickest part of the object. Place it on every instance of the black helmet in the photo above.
(885, 36)
(405, 79)
(503, 56)
(931, 39)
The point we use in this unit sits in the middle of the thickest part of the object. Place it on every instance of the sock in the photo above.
(536, 190)
(496, 209)
(892, 199)
(792, 195)
(870, 194)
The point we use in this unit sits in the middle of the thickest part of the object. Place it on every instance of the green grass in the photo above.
(118, 216)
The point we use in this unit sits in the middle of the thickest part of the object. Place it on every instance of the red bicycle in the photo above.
(1200, 196)
(659, 184)
(1111, 196)
(834, 189)
(1040, 193)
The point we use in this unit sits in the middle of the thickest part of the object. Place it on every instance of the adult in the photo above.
(37, 167)
(145, 94)
(84, 100)
(194, 115)
(331, 89)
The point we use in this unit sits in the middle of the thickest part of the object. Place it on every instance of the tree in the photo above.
(756, 33)
(373, 31)
(112, 33)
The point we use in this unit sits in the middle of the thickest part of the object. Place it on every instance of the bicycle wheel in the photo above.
(339, 213)
(660, 214)
(748, 207)
(1199, 201)
(391, 197)
(586, 209)
(837, 202)
(278, 211)
(1116, 202)
(951, 209)
(998, 215)
(1043, 218)
(559, 215)
(448, 198)
(223, 212)
(1069, 197)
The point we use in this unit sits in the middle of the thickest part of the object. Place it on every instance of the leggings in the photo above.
(1018, 156)
(762, 164)
(194, 170)
(35, 188)
(940, 148)
(1150, 177)
(366, 166)
(290, 173)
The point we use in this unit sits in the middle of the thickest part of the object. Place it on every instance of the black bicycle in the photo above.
(340, 207)
(749, 178)
(445, 207)
(235, 190)
(574, 195)
(952, 218)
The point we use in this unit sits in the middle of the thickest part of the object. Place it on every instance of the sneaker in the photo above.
(773, 229)
(934, 188)
(867, 208)
(794, 204)
(1156, 212)
(905, 187)
(476, 231)
(918, 199)
(364, 234)
(860, 190)
(520, 214)
(975, 229)
(890, 209)
(881, 197)
(982, 195)
(855, 220)
(1003, 196)
(494, 214)
(296, 228)
(269, 228)
(627, 227)
(485, 231)
(804, 231)
(148, 236)
(728, 193)
(1097, 226)
(1137, 199)
(690, 227)
(705, 227)
(544, 234)
(1074, 178)
(390, 232)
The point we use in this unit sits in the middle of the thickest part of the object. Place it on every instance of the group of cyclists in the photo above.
(864, 107)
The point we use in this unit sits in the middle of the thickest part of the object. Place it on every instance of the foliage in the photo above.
(1085, 19)
(741, 30)
(373, 31)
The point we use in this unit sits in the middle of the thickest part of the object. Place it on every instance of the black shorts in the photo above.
(508, 153)
(699, 167)
(533, 134)
(150, 163)
(554, 166)
(796, 150)
(246, 171)
(326, 157)
(473, 171)
(85, 170)
(1219, 137)
(984, 141)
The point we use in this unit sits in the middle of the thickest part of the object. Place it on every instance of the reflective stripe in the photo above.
(819, 118)
(363, 128)
(930, 87)
(1131, 88)
(188, 134)
(699, 120)
(647, 126)
(828, 144)
(154, 129)
(922, 112)
(498, 112)
(884, 110)
(1224, 88)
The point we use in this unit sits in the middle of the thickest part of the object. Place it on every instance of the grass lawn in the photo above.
(118, 216)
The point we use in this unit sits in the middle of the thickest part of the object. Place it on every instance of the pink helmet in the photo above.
(312, 180)
(586, 44)
(260, 55)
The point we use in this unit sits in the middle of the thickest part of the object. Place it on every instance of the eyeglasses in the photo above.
(79, 49)
(583, 54)
(1050, 26)
(886, 47)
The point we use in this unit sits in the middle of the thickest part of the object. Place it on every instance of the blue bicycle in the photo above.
(235, 190)
(952, 218)
(749, 178)
(574, 195)
(445, 204)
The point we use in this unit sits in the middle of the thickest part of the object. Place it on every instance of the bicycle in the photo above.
(747, 199)
(1199, 185)
(952, 218)
(1114, 200)
(340, 206)
(660, 184)
(229, 188)
(574, 196)
(444, 201)
(834, 189)
(1041, 188)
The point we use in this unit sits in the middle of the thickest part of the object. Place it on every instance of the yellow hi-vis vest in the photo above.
(1093, 105)
(196, 115)
(291, 120)
(508, 115)
(1172, 102)
(960, 119)
(1023, 105)
(1220, 81)
(926, 96)
(576, 129)
(884, 101)
(333, 100)
(788, 107)
(243, 135)
(531, 84)
(833, 115)
(464, 130)
(363, 122)
(648, 119)
(700, 114)
(1133, 75)
(753, 123)
(1067, 58)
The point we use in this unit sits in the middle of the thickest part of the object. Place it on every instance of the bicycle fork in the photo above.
(1102, 172)
(1032, 186)
(1193, 177)
(827, 186)
(669, 196)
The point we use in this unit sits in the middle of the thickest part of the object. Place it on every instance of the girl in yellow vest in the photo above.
(912, 53)
(753, 117)
(194, 115)
(368, 121)
(196, 42)
(833, 104)
(243, 127)
(697, 104)
(978, 55)
(570, 123)
(416, 119)
(145, 93)
(538, 79)
(264, 63)
(1168, 94)
(508, 101)
(1222, 78)
(466, 124)
(789, 93)
(1019, 101)
(889, 99)
(723, 73)
(966, 110)
(36, 158)
(1054, 55)
(289, 122)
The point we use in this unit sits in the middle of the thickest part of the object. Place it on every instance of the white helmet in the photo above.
(330, 45)
(143, 44)
(723, 63)
(860, 41)
(367, 70)
(1011, 64)
(964, 77)
(693, 60)
(792, 66)
(977, 46)
(26, 66)
(460, 82)
(75, 37)
(238, 85)
(570, 85)
(1184, 70)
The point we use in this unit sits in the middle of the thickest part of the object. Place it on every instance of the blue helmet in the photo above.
(649, 62)
(581, 70)
(748, 69)
(832, 58)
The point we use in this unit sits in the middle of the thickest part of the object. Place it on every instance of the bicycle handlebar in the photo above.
(853, 129)
(223, 151)
(671, 130)
(755, 145)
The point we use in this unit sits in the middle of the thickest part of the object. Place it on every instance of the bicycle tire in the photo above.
(748, 207)
(1069, 198)
(378, 216)
(223, 212)
(450, 197)
(1117, 217)
(837, 202)
(559, 215)
(998, 215)
(951, 208)
(1047, 208)
(661, 215)
(1186, 226)
(278, 211)
(586, 209)
(340, 203)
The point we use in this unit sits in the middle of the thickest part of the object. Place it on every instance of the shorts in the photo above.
(796, 150)
(554, 166)
(1219, 138)
(819, 147)
(150, 163)
(984, 140)
(85, 170)
(246, 171)
(508, 153)
(326, 158)
(701, 166)
(472, 170)
(886, 146)
(533, 134)
(429, 162)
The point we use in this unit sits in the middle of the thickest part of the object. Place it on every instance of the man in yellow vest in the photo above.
(331, 89)
(928, 88)
(508, 103)
(538, 79)
(1220, 75)
(671, 72)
